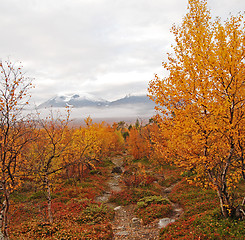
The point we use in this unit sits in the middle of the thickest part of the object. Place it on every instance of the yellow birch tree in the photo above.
(201, 103)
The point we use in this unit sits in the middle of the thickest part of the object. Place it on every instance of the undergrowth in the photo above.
(78, 216)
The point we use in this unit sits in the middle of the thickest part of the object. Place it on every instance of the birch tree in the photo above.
(14, 130)
(202, 102)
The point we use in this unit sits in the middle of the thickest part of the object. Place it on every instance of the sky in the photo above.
(108, 48)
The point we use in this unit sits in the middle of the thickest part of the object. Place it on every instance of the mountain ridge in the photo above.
(89, 100)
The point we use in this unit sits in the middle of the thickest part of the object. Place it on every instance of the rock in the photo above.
(113, 184)
(135, 222)
(116, 170)
(178, 212)
(117, 208)
(120, 228)
(116, 177)
(123, 233)
(167, 190)
(164, 222)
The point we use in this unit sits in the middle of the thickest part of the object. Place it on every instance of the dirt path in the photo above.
(177, 210)
(125, 224)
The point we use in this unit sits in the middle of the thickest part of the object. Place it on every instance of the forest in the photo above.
(180, 176)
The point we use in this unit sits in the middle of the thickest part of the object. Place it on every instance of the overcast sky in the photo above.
(106, 47)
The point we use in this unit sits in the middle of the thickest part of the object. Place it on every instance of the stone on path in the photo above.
(164, 222)
(167, 190)
(135, 222)
(120, 228)
(117, 208)
(178, 212)
(123, 233)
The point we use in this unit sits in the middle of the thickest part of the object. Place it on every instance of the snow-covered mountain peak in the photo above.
(78, 96)
(79, 100)
(76, 100)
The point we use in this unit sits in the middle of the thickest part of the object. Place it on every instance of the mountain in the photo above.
(133, 100)
(74, 100)
(127, 109)
(89, 100)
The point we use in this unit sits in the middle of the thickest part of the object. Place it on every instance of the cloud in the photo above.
(92, 45)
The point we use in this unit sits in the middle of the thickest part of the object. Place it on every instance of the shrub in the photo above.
(94, 214)
(128, 196)
(153, 211)
(38, 195)
(144, 202)
(139, 180)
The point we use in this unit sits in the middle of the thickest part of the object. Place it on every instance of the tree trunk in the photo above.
(226, 205)
(223, 205)
(50, 216)
(4, 215)
(79, 171)
(82, 171)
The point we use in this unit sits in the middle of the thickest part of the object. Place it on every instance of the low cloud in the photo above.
(103, 46)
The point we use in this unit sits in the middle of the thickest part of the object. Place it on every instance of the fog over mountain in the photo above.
(83, 105)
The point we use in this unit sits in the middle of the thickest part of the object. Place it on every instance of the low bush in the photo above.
(38, 195)
(144, 202)
(94, 214)
(153, 211)
(137, 181)
(202, 217)
(129, 196)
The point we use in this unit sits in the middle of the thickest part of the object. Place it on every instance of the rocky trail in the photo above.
(125, 224)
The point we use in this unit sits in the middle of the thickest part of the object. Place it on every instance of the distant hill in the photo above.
(128, 108)
(74, 100)
(132, 99)
(89, 100)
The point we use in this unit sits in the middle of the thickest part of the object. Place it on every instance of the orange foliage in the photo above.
(201, 104)
(137, 144)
